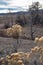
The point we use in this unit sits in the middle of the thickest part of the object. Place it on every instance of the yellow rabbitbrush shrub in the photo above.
(16, 56)
(9, 31)
(39, 41)
(36, 53)
(35, 49)
(19, 62)
(17, 27)
(36, 40)
(15, 30)
(20, 58)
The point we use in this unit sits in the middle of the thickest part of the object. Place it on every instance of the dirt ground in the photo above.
(8, 45)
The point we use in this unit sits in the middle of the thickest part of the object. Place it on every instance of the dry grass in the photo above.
(28, 51)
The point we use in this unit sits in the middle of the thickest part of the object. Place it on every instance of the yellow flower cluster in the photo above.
(39, 41)
(36, 53)
(14, 59)
(15, 30)
(17, 27)
(9, 31)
